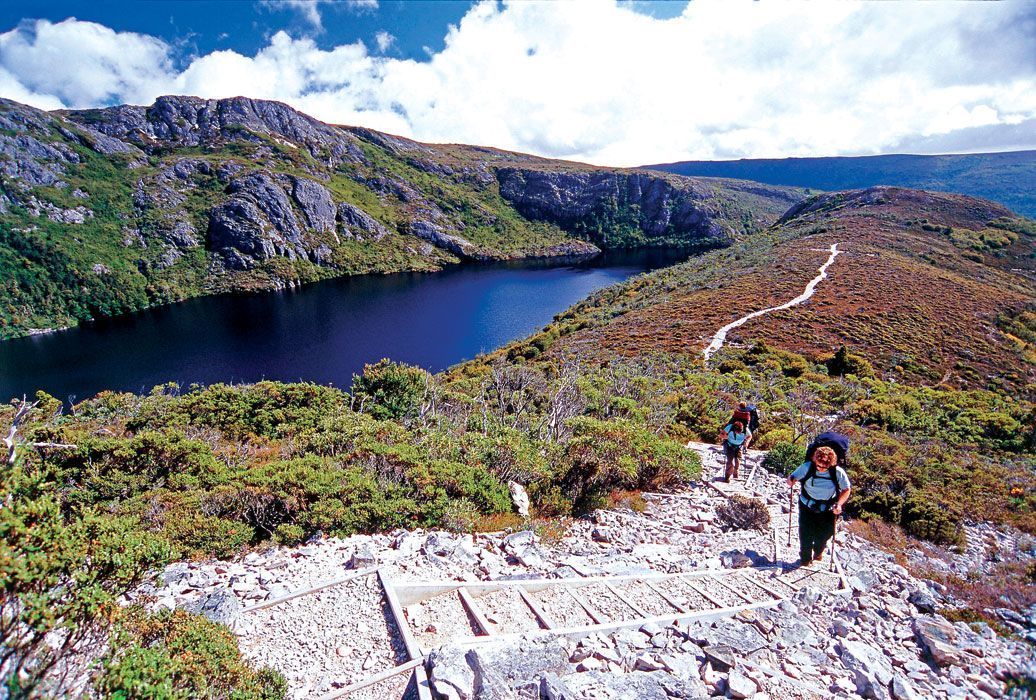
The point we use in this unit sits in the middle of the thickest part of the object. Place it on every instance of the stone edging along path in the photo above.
(721, 334)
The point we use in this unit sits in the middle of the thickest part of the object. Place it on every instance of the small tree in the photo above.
(390, 390)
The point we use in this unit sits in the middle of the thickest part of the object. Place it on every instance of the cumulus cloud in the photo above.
(602, 83)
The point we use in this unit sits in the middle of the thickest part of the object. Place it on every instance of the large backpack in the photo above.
(836, 441)
(840, 444)
(744, 416)
(753, 420)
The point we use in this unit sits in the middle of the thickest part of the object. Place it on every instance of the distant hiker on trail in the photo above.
(735, 437)
(825, 489)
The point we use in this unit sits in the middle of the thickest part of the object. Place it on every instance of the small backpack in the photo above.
(743, 416)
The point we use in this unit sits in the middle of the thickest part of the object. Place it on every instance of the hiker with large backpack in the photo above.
(825, 489)
(735, 438)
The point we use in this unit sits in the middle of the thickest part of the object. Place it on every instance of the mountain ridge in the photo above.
(1005, 176)
(111, 210)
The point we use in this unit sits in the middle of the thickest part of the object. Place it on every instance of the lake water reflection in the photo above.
(322, 333)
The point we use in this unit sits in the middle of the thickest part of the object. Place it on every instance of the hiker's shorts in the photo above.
(731, 451)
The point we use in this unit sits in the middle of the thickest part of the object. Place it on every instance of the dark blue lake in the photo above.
(322, 333)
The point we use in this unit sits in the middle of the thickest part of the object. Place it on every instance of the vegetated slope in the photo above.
(112, 210)
(1003, 177)
(930, 288)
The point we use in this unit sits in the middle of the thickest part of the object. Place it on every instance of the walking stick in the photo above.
(791, 511)
(834, 542)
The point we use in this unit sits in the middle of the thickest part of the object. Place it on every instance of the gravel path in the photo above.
(561, 607)
(506, 609)
(438, 620)
(641, 595)
(721, 334)
(607, 603)
(355, 640)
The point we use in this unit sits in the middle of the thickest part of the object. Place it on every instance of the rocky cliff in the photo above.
(109, 210)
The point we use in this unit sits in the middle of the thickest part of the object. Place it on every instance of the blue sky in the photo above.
(198, 27)
(612, 82)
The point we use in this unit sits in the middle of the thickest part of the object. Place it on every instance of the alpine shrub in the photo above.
(784, 458)
(743, 513)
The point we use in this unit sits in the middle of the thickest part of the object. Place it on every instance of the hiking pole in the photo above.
(791, 511)
(834, 543)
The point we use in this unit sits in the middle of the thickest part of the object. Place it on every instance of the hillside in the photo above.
(112, 210)
(1003, 177)
(931, 288)
(576, 454)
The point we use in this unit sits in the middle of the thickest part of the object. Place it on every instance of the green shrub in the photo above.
(784, 457)
(930, 521)
(60, 577)
(603, 456)
(844, 362)
(390, 390)
(173, 655)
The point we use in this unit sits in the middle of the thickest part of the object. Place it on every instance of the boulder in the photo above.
(520, 498)
(923, 600)
(871, 670)
(739, 685)
(221, 606)
(450, 674)
(941, 640)
(362, 558)
(721, 656)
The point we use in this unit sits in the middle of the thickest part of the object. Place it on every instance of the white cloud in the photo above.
(310, 9)
(599, 82)
(384, 40)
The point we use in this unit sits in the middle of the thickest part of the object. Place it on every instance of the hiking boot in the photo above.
(819, 557)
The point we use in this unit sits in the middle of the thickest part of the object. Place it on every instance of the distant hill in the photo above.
(1002, 177)
(932, 288)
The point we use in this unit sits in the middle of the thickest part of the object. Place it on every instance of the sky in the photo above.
(611, 82)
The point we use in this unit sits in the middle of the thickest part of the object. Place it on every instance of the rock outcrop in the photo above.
(175, 120)
(652, 210)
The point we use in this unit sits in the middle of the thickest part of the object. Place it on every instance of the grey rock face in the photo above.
(236, 230)
(353, 222)
(256, 223)
(32, 162)
(316, 204)
(190, 121)
(430, 232)
(578, 200)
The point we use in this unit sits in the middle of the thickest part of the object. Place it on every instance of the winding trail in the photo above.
(721, 334)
